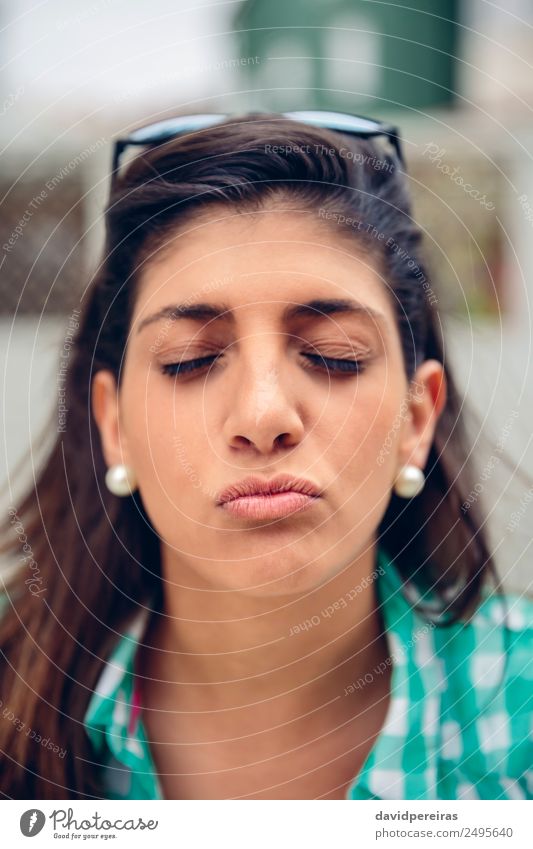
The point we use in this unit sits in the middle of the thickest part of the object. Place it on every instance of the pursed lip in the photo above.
(254, 485)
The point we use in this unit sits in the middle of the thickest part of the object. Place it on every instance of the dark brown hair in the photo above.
(97, 555)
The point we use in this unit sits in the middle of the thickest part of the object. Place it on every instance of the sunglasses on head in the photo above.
(162, 131)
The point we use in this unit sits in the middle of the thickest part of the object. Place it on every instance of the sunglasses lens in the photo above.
(162, 131)
(172, 127)
(337, 121)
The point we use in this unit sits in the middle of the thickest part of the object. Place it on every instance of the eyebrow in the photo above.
(315, 308)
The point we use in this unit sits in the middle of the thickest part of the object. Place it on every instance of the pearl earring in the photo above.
(409, 482)
(120, 479)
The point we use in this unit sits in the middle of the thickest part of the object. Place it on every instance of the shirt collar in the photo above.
(403, 761)
(116, 679)
(112, 719)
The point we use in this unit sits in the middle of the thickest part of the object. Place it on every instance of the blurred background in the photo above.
(455, 75)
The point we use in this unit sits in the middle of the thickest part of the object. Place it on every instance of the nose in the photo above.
(263, 413)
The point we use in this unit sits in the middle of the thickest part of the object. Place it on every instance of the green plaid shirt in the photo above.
(453, 730)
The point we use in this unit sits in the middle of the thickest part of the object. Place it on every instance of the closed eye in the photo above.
(333, 364)
(325, 364)
(187, 366)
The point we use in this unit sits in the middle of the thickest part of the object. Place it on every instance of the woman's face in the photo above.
(272, 399)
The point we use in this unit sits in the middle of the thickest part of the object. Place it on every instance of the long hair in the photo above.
(97, 555)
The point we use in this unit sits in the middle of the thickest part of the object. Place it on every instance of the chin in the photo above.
(273, 576)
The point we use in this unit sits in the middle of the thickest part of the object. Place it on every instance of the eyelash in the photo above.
(341, 367)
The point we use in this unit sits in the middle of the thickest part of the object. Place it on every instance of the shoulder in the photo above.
(510, 624)
(487, 665)
(488, 659)
(487, 696)
(506, 620)
(501, 625)
(492, 653)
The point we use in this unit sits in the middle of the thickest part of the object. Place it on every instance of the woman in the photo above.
(257, 575)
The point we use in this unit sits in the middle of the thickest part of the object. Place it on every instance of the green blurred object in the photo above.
(356, 55)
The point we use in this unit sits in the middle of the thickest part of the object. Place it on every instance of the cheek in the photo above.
(166, 445)
(363, 436)
(147, 423)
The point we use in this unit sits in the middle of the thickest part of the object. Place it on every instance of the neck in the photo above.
(224, 650)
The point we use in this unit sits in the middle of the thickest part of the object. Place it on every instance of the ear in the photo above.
(105, 405)
(426, 399)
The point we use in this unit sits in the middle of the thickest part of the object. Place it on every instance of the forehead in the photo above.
(258, 261)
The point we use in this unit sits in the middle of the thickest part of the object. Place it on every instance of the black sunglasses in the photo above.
(154, 134)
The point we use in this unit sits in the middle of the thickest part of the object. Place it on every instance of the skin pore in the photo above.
(238, 702)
